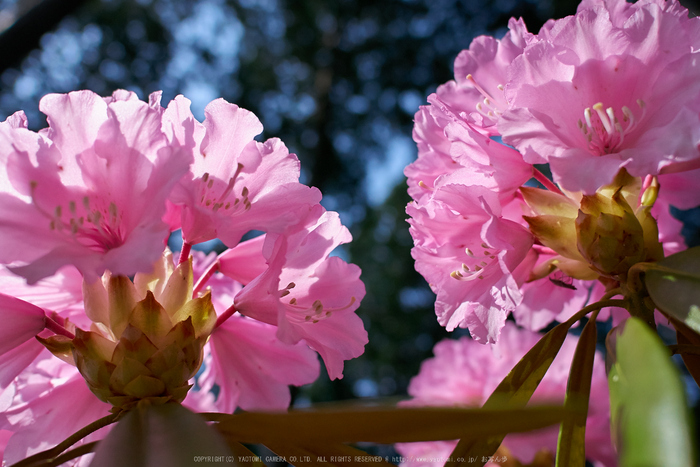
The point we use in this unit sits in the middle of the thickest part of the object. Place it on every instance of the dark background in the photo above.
(338, 81)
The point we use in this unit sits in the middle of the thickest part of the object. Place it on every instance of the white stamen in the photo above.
(424, 186)
(478, 88)
(628, 115)
(587, 116)
(603, 117)
(484, 260)
(607, 134)
(491, 109)
(317, 311)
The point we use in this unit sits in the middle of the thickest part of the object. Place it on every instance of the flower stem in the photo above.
(611, 293)
(184, 252)
(205, 277)
(225, 315)
(623, 303)
(52, 325)
(48, 456)
(548, 184)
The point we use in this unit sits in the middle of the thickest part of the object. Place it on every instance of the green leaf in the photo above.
(516, 390)
(383, 425)
(158, 435)
(674, 285)
(571, 450)
(650, 421)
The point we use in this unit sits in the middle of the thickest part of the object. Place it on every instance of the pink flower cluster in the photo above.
(99, 192)
(464, 373)
(613, 89)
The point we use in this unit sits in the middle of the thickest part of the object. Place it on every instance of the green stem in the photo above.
(50, 454)
(611, 293)
(622, 303)
(634, 289)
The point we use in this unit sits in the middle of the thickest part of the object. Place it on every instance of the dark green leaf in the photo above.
(382, 425)
(674, 286)
(650, 421)
(571, 449)
(154, 436)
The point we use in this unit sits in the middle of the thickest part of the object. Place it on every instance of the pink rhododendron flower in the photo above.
(21, 322)
(90, 189)
(308, 294)
(32, 381)
(669, 228)
(236, 184)
(680, 189)
(88, 204)
(464, 373)
(36, 386)
(434, 158)
(251, 366)
(52, 402)
(254, 368)
(486, 162)
(595, 94)
(481, 72)
(245, 261)
(451, 150)
(4, 437)
(60, 293)
(468, 254)
(12, 364)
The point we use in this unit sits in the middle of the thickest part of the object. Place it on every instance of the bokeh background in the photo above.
(338, 81)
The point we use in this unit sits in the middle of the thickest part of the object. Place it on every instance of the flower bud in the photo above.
(554, 225)
(554, 221)
(653, 247)
(142, 347)
(609, 235)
